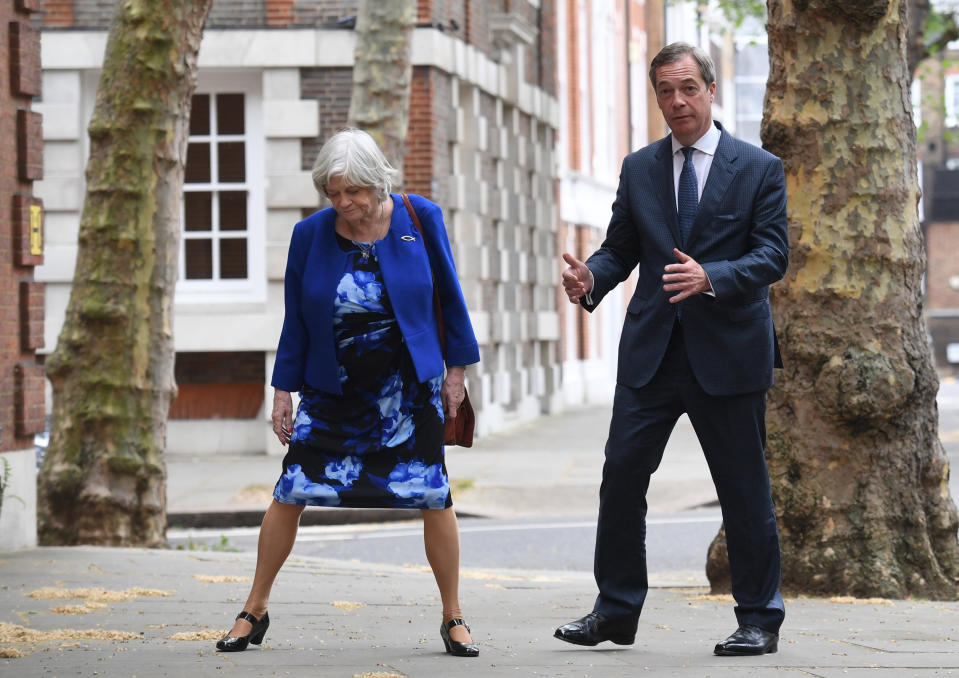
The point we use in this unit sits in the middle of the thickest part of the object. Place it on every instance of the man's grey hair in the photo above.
(352, 155)
(674, 52)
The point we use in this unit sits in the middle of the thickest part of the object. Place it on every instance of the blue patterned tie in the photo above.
(688, 195)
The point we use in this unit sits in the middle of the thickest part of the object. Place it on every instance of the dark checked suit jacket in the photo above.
(739, 237)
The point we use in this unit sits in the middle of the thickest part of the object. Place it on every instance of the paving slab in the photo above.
(337, 618)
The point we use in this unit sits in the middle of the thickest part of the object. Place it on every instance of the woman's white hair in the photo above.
(352, 155)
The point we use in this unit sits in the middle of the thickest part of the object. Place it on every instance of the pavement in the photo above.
(87, 611)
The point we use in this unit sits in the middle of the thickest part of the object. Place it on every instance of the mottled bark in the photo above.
(858, 473)
(382, 74)
(103, 477)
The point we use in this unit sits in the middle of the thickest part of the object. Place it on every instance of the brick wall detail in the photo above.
(57, 13)
(279, 13)
(30, 411)
(331, 88)
(22, 411)
(29, 145)
(24, 59)
(942, 243)
(32, 296)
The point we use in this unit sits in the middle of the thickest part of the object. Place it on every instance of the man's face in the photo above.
(685, 99)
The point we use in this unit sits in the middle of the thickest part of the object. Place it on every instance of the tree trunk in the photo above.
(858, 473)
(103, 477)
(382, 74)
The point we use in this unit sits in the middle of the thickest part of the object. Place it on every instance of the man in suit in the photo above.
(703, 215)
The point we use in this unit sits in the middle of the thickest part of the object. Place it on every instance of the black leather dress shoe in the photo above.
(594, 628)
(748, 639)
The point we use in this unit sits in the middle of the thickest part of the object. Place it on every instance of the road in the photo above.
(676, 544)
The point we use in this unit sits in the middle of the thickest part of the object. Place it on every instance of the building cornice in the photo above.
(316, 48)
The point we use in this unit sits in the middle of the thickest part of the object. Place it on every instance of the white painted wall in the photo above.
(18, 513)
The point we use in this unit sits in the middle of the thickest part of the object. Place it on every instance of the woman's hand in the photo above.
(453, 391)
(282, 415)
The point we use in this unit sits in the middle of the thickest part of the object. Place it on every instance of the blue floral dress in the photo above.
(380, 443)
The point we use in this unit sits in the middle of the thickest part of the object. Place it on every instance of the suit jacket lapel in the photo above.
(661, 176)
(721, 174)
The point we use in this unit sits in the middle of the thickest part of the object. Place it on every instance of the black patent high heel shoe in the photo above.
(255, 636)
(454, 647)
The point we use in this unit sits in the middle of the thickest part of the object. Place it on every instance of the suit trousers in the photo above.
(732, 432)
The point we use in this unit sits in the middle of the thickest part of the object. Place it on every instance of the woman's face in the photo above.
(355, 204)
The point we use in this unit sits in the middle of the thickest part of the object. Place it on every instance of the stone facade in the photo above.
(483, 130)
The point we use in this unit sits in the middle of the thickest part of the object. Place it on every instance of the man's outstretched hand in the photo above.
(577, 280)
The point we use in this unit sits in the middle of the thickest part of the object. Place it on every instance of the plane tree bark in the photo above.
(103, 476)
(382, 74)
(859, 476)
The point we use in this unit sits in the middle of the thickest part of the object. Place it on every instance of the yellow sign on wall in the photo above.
(36, 229)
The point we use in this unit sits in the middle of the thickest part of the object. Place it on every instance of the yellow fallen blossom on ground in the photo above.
(97, 594)
(346, 605)
(712, 598)
(219, 579)
(12, 633)
(204, 634)
(86, 608)
(850, 600)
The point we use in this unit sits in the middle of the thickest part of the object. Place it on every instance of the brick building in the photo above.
(521, 112)
(274, 81)
(608, 109)
(21, 249)
(936, 109)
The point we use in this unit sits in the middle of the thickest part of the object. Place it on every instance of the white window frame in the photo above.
(253, 287)
(740, 80)
(915, 95)
(952, 99)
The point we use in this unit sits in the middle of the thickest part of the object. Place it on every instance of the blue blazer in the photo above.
(739, 237)
(307, 351)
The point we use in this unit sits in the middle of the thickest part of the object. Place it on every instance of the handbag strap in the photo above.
(436, 296)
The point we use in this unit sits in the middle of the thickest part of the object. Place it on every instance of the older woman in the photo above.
(361, 345)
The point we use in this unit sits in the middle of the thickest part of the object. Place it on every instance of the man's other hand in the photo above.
(687, 277)
(577, 279)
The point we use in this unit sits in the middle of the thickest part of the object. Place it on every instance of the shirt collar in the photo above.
(708, 143)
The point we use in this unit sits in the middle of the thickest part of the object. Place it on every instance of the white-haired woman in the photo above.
(360, 343)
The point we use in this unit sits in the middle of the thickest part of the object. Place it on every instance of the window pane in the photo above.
(233, 211)
(748, 130)
(200, 114)
(752, 60)
(229, 114)
(749, 99)
(232, 161)
(199, 259)
(198, 211)
(197, 163)
(233, 258)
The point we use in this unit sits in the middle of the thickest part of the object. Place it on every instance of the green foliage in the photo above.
(939, 28)
(5, 482)
(736, 11)
(222, 546)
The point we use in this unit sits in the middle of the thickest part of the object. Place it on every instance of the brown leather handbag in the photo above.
(459, 429)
